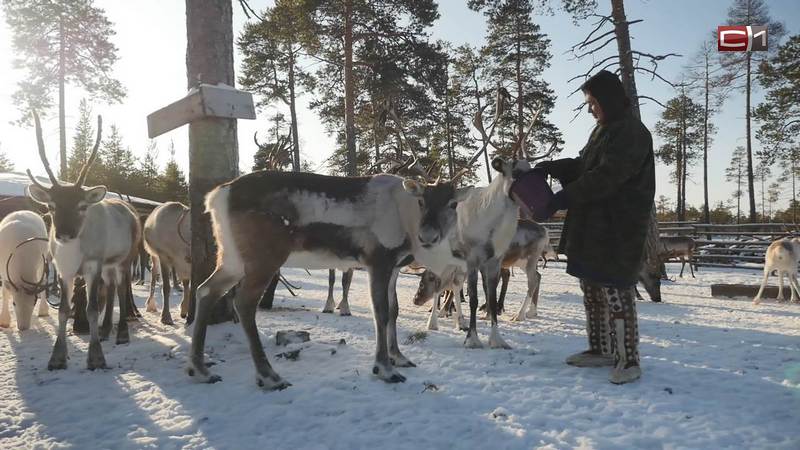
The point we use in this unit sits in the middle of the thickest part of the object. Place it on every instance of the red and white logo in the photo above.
(750, 38)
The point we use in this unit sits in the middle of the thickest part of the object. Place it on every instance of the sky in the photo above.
(151, 38)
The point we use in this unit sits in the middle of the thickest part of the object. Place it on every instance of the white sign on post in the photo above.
(205, 100)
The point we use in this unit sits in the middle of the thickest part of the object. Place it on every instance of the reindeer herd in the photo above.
(268, 219)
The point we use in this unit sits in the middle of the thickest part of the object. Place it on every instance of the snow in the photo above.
(717, 374)
(13, 184)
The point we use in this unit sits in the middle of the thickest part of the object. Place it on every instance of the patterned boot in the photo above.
(599, 353)
(624, 335)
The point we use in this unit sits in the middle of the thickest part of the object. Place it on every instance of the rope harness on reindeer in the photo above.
(28, 287)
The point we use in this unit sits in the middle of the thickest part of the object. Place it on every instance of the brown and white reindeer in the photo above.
(265, 220)
(680, 247)
(166, 238)
(91, 237)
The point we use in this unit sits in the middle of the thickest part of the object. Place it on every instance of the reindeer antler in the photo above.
(93, 156)
(42, 155)
(519, 146)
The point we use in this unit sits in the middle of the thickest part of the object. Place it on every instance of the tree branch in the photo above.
(652, 99)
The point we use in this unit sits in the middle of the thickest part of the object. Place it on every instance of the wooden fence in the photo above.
(737, 246)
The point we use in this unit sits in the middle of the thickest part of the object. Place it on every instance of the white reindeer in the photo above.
(23, 255)
(530, 242)
(167, 231)
(782, 256)
(93, 238)
(265, 220)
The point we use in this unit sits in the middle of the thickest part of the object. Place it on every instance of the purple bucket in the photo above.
(531, 191)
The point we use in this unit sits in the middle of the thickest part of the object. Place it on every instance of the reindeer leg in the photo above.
(380, 280)
(207, 294)
(793, 285)
(781, 297)
(123, 282)
(108, 294)
(505, 275)
(472, 340)
(491, 273)
(95, 359)
(434, 316)
(329, 303)
(691, 269)
(246, 303)
(395, 355)
(683, 265)
(5, 314)
(268, 298)
(344, 305)
(757, 299)
(459, 315)
(185, 299)
(58, 359)
(150, 304)
(166, 316)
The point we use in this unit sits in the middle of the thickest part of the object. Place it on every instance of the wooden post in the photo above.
(213, 148)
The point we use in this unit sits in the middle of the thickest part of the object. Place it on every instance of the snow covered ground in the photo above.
(717, 374)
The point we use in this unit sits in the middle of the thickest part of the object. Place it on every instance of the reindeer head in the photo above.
(437, 204)
(67, 204)
(429, 284)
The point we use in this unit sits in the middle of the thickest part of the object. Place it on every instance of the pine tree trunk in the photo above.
(62, 119)
(451, 164)
(520, 101)
(213, 152)
(652, 262)
(706, 212)
(293, 112)
(751, 191)
(349, 90)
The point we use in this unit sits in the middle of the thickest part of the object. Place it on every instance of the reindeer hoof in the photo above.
(167, 320)
(472, 341)
(388, 375)
(272, 384)
(57, 364)
(518, 318)
(202, 376)
(327, 311)
(401, 361)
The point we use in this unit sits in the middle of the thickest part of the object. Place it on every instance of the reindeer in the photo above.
(681, 247)
(265, 220)
(782, 256)
(166, 238)
(23, 252)
(93, 237)
(487, 223)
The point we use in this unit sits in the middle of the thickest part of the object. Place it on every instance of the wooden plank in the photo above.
(205, 101)
(728, 266)
(743, 290)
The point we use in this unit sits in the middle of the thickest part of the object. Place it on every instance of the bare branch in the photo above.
(598, 48)
(652, 99)
(655, 75)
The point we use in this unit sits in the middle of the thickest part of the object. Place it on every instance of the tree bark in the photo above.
(651, 260)
(349, 90)
(213, 147)
(293, 112)
(451, 165)
(706, 212)
(62, 119)
(751, 191)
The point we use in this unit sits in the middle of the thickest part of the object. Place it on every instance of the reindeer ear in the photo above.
(498, 164)
(38, 194)
(413, 187)
(462, 193)
(95, 194)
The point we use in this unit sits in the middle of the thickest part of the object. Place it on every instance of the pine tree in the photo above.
(147, 183)
(736, 172)
(739, 69)
(60, 43)
(82, 142)
(271, 50)
(518, 53)
(173, 186)
(6, 165)
(374, 54)
(118, 163)
(681, 128)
